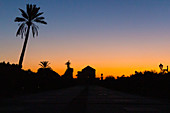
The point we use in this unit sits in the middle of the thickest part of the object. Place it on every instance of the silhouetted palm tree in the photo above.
(27, 21)
(44, 64)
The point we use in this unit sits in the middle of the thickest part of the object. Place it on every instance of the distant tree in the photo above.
(47, 78)
(44, 64)
(110, 78)
(27, 21)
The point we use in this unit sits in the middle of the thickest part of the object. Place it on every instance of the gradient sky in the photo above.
(115, 37)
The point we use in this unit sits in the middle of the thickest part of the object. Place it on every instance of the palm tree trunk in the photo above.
(24, 47)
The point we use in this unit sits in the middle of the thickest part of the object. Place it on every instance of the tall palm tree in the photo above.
(27, 21)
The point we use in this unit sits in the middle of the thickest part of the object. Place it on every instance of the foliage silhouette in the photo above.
(27, 21)
(46, 76)
(110, 78)
(147, 83)
(44, 64)
(16, 81)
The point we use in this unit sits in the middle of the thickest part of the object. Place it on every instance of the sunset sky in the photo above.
(115, 37)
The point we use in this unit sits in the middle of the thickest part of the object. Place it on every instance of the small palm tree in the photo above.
(27, 21)
(44, 64)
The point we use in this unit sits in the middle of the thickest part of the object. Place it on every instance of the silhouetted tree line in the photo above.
(148, 83)
(16, 81)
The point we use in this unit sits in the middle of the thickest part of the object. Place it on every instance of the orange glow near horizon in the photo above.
(107, 70)
(127, 71)
(110, 57)
(106, 59)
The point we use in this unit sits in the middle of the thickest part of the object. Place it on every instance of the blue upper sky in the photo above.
(86, 16)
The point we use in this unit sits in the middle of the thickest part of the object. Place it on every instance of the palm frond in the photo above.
(24, 14)
(40, 21)
(38, 15)
(34, 8)
(35, 26)
(40, 18)
(41, 62)
(28, 10)
(35, 12)
(25, 30)
(21, 30)
(34, 30)
(41, 65)
(19, 19)
(44, 64)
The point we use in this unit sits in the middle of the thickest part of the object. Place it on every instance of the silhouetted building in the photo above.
(87, 73)
(69, 72)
